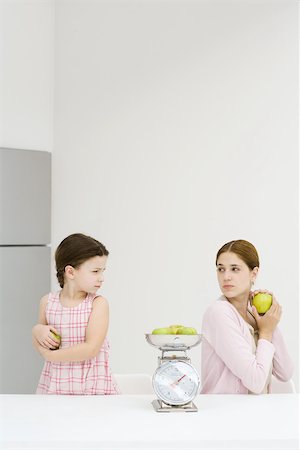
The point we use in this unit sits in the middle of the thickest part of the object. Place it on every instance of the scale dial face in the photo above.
(176, 382)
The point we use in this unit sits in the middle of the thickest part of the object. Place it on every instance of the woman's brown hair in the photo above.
(244, 249)
(75, 250)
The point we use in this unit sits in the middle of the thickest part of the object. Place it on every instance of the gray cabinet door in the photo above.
(24, 279)
(25, 197)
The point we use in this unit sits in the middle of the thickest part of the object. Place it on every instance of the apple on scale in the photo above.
(175, 329)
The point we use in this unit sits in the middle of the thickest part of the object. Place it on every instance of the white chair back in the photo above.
(134, 383)
(282, 387)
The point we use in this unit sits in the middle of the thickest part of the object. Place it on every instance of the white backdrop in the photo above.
(175, 131)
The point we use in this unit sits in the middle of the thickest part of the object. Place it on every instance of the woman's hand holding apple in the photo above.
(267, 323)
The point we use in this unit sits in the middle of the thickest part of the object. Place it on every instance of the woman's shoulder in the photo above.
(220, 304)
(219, 308)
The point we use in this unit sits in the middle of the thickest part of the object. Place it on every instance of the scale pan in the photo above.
(173, 341)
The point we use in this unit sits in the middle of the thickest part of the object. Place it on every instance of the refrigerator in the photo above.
(25, 262)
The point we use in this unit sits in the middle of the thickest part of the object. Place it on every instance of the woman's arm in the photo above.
(283, 366)
(223, 331)
(268, 329)
(95, 334)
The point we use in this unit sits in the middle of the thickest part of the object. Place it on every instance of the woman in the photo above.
(241, 349)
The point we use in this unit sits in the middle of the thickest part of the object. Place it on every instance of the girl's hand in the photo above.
(44, 337)
(268, 322)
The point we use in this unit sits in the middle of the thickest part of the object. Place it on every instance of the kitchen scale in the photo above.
(175, 381)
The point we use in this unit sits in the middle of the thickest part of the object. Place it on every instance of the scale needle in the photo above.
(179, 379)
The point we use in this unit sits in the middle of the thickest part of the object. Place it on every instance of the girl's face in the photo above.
(234, 276)
(89, 275)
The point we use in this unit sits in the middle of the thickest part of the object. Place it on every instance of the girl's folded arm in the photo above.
(95, 334)
(41, 337)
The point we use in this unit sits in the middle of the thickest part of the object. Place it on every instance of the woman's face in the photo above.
(234, 276)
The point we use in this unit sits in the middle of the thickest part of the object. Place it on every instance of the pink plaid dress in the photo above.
(90, 377)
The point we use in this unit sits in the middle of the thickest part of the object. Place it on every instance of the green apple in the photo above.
(175, 328)
(56, 336)
(187, 330)
(262, 302)
(165, 330)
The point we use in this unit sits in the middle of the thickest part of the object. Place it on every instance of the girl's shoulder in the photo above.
(51, 297)
(54, 295)
(98, 300)
(44, 300)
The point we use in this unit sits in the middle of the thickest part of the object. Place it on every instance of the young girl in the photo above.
(77, 364)
(241, 349)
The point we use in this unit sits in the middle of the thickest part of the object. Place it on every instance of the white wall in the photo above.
(175, 131)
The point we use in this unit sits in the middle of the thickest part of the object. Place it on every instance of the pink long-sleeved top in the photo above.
(228, 363)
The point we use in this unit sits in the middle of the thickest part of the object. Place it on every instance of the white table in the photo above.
(130, 422)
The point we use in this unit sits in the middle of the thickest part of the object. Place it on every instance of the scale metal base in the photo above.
(160, 406)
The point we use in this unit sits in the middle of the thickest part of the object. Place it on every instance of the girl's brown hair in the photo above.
(75, 250)
(244, 249)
